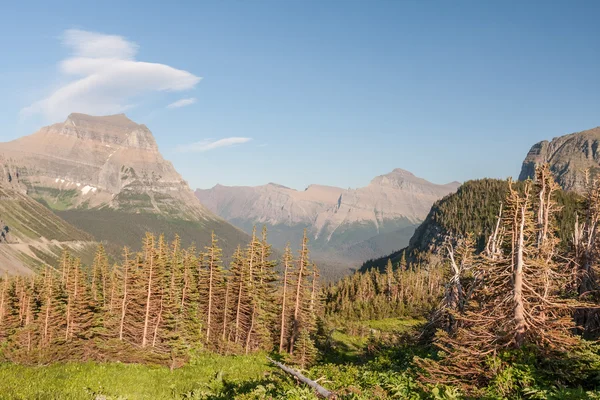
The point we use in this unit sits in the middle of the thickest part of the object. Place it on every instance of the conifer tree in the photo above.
(213, 286)
(239, 284)
(4, 299)
(288, 260)
(100, 277)
(300, 295)
(52, 321)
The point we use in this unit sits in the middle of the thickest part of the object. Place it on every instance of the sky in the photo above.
(334, 92)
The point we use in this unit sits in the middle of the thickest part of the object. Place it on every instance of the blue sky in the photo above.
(299, 91)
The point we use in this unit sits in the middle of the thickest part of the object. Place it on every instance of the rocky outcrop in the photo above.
(93, 162)
(569, 157)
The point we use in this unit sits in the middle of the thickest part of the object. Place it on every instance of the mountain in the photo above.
(346, 226)
(569, 156)
(31, 235)
(106, 176)
(473, 208)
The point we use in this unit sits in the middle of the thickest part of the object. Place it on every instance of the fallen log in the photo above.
(321, 391)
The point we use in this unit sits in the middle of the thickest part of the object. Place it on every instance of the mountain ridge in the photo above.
(345, 225)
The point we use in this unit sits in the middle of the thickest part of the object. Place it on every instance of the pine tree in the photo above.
(4, 299)
(300, 295)
(213, 287)
(100, 277)
(288, 260)
(52, 321)
(239, 284)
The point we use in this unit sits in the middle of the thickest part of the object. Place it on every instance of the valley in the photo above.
(299, 200)
(182, 289)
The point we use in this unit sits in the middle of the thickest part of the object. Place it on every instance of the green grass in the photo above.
(56, 199)
(205, 375)
(393, 324)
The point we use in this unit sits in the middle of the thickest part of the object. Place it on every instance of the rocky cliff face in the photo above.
(347, 225)
(91, 162)
(569, 157)
(389, 202)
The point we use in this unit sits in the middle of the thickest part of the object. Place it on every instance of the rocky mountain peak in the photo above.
(110, 130)
(569, 156)
(93, 161)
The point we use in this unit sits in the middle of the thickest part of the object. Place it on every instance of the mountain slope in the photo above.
(32, 235)
(568, 156)
(345, 226)
(94, 170)
(473, 208)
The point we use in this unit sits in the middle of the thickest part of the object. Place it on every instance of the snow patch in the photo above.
(86, 189)
(62, 181)
(78, 184)
(56, 180)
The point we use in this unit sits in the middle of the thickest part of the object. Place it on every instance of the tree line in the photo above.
(405, 291)
(161, 304)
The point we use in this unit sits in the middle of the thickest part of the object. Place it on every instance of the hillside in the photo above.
(33, 236)
(472, 209)
(569, 156)
(346, 226)
(117, 229)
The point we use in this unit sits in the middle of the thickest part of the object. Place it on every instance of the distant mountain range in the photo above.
(104, 180)
(346, 226)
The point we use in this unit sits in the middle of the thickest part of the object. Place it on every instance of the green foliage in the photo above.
(118, 229)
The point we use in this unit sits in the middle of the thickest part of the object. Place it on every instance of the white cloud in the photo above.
(210, 144)
(182, 103)
(105, 77)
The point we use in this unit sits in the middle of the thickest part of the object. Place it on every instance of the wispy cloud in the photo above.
(105, 77)
(210, 144)
(182, 103)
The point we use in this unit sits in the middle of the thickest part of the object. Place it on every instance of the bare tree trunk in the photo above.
(48, 307)
(492, 245)
(124, 301)
(210, 293)
(251, 329)
(238, 314)
(298, 296)
(313, 290)
(225, 309)
(283, 306)
(321, 391)
(148, 301)
(3, 297)
(158, 320)
(519, 311)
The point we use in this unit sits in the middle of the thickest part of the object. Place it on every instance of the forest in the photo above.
(513, 316)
